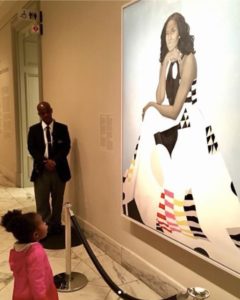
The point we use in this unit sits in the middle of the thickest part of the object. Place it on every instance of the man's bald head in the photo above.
(45, 112)
(43, 105)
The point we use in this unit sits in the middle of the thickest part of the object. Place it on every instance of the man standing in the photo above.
(49, 144)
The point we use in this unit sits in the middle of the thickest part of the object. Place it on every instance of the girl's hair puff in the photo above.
(22, 226)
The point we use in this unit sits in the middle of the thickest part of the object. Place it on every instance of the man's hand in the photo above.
(50, 165)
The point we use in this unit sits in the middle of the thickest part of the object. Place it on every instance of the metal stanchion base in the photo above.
(66, 283)
(198, 293)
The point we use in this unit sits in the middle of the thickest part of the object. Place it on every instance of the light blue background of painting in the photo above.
(216, 27)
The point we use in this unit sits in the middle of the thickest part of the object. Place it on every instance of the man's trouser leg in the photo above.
(42, 188)
(57, 194)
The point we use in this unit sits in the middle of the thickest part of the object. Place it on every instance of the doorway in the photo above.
(27, 53)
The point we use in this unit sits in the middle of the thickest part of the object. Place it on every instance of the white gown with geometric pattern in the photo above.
(185, 193)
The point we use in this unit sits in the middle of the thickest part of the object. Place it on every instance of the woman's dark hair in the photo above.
(21, 225)
(186, 41)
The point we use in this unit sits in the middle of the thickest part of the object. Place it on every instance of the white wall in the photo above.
(81, 52)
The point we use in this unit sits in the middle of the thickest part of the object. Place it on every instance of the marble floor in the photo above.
(96, 289)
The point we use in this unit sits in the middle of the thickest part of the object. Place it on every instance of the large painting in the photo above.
(180, 105)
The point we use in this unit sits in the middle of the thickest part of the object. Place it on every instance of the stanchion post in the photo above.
(68, 241)
(69, 281)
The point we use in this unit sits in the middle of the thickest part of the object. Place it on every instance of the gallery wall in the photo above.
(81, 55)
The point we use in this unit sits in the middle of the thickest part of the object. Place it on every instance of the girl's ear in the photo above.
(35, 236)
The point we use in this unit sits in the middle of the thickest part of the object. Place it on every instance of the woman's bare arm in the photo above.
(161, 88)
(188, 74)
(172, 56)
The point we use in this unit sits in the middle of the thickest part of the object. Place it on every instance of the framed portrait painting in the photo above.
(180, 124)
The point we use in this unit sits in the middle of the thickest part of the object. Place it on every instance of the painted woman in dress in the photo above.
(178, 174)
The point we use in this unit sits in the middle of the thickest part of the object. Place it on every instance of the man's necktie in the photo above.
(49, 143)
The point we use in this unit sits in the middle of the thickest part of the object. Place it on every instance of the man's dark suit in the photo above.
(61, 147)
(48, 183)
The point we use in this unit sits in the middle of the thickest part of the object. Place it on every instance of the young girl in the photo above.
(33, 278)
